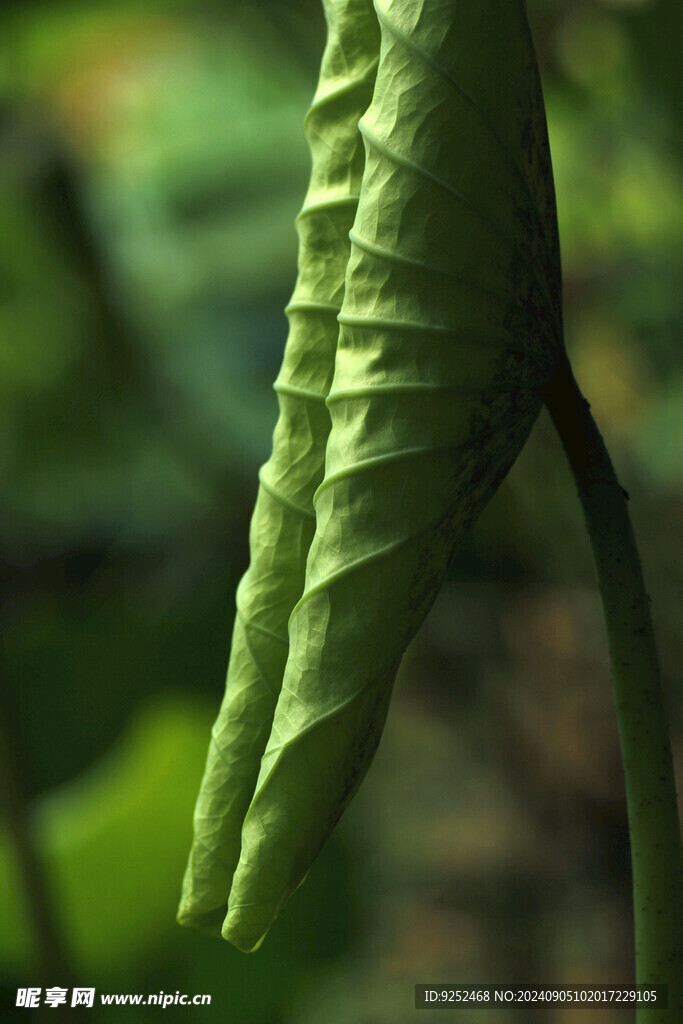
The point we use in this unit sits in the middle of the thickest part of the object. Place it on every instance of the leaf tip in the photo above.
(208, 922)
(240, 935)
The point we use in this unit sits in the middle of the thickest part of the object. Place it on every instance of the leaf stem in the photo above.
(51, 965)
(656, 852)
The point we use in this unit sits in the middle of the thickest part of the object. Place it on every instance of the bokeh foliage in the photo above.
(151, 162)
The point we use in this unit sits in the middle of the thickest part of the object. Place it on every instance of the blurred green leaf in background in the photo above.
(152, 161)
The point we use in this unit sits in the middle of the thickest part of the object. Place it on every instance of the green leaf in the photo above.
(283, 522)
(112, 843)
(450, 331)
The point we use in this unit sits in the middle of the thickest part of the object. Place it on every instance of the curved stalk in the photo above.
(51, 962)
(656, 853)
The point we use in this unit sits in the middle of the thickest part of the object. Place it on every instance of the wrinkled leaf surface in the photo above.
(283, 522)
(449, 332)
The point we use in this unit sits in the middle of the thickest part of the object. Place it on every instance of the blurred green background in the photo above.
(152, 161)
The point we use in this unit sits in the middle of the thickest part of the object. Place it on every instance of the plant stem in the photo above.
(656, 852)
(51, 963)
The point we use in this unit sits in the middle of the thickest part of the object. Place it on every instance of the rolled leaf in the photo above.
(283, 521)
(449, 332)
